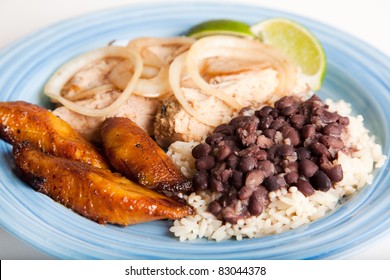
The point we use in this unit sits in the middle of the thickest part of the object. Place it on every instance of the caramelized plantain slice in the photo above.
(95, 193)
(134, 154)
(22, 121)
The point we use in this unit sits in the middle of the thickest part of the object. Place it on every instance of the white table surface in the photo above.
(367, 20)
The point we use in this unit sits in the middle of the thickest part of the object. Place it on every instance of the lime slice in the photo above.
(298, 43)
(220, 27)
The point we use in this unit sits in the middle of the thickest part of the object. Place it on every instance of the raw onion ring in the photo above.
(66, 72)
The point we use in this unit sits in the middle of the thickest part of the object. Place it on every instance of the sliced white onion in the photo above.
(239, 48)
(86, 94)
(142, 45)
(67, 71)
(250, 55)
(157, 85)
(154, 87)
(175, 76)
(121, 74)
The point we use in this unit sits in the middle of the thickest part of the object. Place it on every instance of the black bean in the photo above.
(237, 178)
(332, 142)
(307, 168)
(271, 153)
(333, 171)
(250, 119)
(315, 98)
(286, 101)
(222, 175)
(320, 181)
(254, 178)
(216, 185)
(309, 142)
(291, 177)
(200, 150)
(289, 166)
(265, 122)
(232, 198)
(289, 111)
(252, 124)
(232, 161)
(318, 111)
(320, 149)
(245, 192)
(298, 121)
(304, 109)
(251, 151)
(273, 183)
(314, 102)
(343, 120)
(222, 200)
(230, 216)
(267, 167)
(247, 164)
(275, 113)
(224, 129)
(288, 132)
(333, 129)
(233, 122)
(303, 153)
(305, 187)
(278, 123)
(329, 117)
(317, 122)
(200, 180)
(215, 208)
(308, 131)
(255, 205)
(222, 152)
(270, 133)
(261, 155)
(284, 150)
(214, 138)
(265, 111)
(205, 163)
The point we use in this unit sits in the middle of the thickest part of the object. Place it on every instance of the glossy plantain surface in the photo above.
(95, 193)
(133, 153)
(22, 121)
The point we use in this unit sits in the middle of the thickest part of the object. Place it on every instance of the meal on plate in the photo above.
(221, 131)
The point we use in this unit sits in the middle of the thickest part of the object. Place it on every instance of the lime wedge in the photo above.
(298, 43)
(220, 27)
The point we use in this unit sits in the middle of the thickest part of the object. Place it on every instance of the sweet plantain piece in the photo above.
(22, 121)
(92, 192)
(134, 154)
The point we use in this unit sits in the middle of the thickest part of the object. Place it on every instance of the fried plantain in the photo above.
(22, 121)
(95, 193)
(134, 154)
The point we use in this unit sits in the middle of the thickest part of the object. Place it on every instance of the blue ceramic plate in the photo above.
(356, 73)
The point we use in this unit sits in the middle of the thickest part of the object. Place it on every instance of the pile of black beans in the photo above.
(290, 144)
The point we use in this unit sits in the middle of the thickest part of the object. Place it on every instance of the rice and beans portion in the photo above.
(275, 169)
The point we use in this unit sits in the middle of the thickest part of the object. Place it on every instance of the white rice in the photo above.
(288, 209)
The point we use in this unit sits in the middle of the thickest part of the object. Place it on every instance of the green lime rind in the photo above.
(299, 43)
(220, 27)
